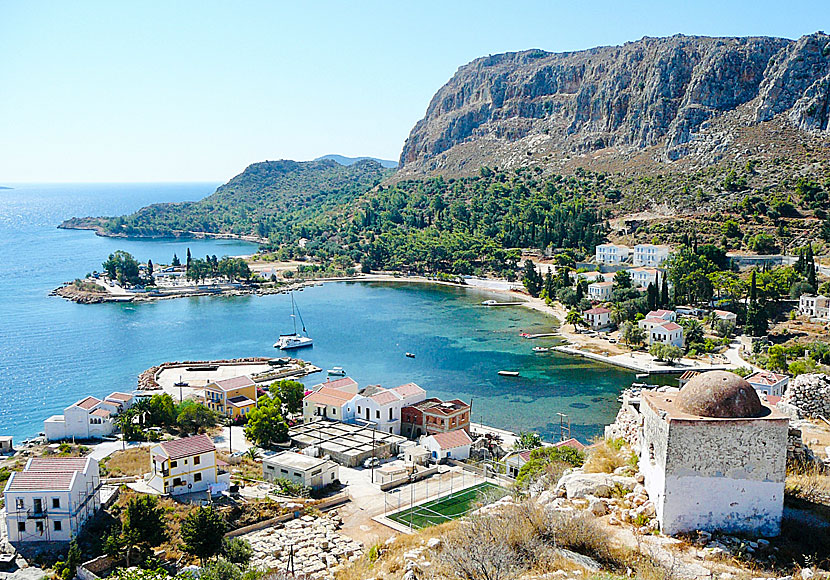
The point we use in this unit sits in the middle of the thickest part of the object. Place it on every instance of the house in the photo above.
(515, 461)
(51, 499)
(346, 384)
(769, 383)
(612, 254)
(121, 400)
(382, 407)
(89, 418)
(434, 416)
(714, 457)
(450, 445)
(234, 397)
(642, 277)
(329, 403)
(725, 315)
(300, 469)
(185, 465)
(600, 291)
(814, 306)
(689, 311)
(667, 315)
(663, 331)
(597, 317)
(650, 255)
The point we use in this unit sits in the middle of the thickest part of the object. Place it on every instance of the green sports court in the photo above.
(447, 508)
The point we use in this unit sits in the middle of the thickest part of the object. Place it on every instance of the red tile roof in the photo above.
(573, 443)
(599, 310)
(56, 464)
(87, 403)
(451, 439)
(41, 480)
(100, 413)
(765, 378)
(408, 390)
(124, 397)
(330, 396)
(339, 383)
(234, 383)
(670, 326)
(188, 446)
(660, 313)
(385, 397)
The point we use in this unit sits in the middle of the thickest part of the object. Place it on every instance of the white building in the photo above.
(89, 418)
(450, 445)
(663, 331)
(300, 469)
(814, 306)
(185, 465)
(650, 255)
(714, 457)
(725, 315)
(600, 291)
(662, 313)
(51, 499)
(769, 383)
(597, 317)
(382, 407)
(644, 276)
(330, 403)
(612, 254)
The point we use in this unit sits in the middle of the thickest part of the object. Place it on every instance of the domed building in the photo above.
(714, 457)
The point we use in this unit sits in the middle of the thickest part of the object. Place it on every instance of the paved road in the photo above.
(107, 448)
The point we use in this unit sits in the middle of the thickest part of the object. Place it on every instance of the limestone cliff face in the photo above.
(653, 92)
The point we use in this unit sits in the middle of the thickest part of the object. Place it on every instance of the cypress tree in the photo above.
(187, 264)
(664, 293)
(651, 296)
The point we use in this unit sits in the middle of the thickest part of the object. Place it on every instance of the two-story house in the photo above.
(662, 331)
(234, 397)
(650, 255)
(663, 314)
(382, 407)
(184, 465)
(330, 403)
(51, 499)
(434, 416)
(644, 276)
(769, 383)
(597, 318)
(600, 291)
(612, 254)
(89, 418)
(814, 306)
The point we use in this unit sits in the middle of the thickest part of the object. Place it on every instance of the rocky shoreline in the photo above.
(147, 379)
(71, 292)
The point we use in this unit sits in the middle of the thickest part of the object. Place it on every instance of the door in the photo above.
(367, 413)
(38, 509)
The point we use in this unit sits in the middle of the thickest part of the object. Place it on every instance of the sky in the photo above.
(110, 91)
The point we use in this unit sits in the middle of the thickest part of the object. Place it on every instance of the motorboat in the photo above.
(541, 349)
(410, 355)
(336, 372)
(509, 373)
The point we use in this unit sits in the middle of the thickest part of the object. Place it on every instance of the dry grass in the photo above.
(134, 461)
(808, 483)
(608, 455)
(242, 468)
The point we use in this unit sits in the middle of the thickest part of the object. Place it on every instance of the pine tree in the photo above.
(176, 262)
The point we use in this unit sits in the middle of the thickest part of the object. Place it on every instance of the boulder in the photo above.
(580, 485)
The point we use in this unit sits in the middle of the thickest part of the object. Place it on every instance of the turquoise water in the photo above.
(53, 351)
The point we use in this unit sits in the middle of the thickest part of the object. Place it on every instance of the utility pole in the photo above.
(373, 455)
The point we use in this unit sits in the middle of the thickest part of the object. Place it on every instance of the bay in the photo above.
(53, 352)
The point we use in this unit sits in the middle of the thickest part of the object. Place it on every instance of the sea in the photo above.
(54, 352)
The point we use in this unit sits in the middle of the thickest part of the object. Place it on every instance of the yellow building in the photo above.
(234, 397)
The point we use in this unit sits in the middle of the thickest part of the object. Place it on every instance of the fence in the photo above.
(425, 490)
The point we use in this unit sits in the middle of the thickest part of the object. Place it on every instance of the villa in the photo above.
(650, 255)
(185, 465)
(451, 445)
(597, 317)
(89, 418)
(612, 254)
(51, 499)
(382, 407)
(330, 403)
(814, 306)
(234, 397)
(644, 276)
(725, 315)
(662, 331)
(600, 291)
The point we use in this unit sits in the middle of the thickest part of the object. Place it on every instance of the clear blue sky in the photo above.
(181, 91)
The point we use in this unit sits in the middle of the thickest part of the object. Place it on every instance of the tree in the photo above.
(237, 550)
(122, 267)
(777, 358)
(194, 418)
(527, 440)
(161, 411)
(189, 259)
(150, 268)
(202, 531)
(756, 318)
(574, 317)
(66, 570)
(143, 527)
(290, 392)
(652, 296)
(724, 328)
(622, 280)
(631, 333)
(664, 293)
(762, 243)
(692, 330)
(532, 279)
(266, 425)
(176, 262)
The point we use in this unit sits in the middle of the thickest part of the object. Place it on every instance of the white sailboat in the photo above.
(295, 340)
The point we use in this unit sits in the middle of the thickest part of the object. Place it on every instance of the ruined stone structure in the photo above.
(714, 457)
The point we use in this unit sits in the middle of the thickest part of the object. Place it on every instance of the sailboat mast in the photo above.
(293, 313)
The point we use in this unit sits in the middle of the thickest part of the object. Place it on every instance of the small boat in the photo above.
(336, 372)
(541, 349)
(410, 355)
(642, 376)
(489, 303)
(509, 373)
(295, 340)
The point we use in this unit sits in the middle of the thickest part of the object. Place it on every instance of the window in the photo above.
(39, 527)
(56, 502)
(316, 472)
(197, 477)
(18, 503)
(57, 525)
(197, 460)
(390, 413)
(271, 467)
(21, 526)
(297, 474)
(334, 411)
(174, 464)
(177, 481)
(284, 471)
(358, 408)
(332, 476)
(377, 414)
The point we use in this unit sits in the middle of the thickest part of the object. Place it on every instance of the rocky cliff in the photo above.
(679, 96)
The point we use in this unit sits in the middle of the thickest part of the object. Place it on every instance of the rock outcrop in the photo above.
(809, 394)
(659, 92)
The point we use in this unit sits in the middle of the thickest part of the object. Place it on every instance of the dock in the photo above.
(494, 303)
(540, 335)
(647, 368)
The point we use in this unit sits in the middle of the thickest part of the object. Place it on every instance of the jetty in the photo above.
(539, 335)
(642, 367)
(496, 303)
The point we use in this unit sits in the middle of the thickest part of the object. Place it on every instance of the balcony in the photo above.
(34, 513)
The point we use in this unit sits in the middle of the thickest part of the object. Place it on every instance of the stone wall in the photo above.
(809, 394)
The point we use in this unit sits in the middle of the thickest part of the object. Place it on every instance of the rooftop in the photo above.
(241, 401)
(434, 405)
(602, 284)
(408, 390)
(766, 378)
(343, 383)
(101, 413)
(451, 439)
(385, 397)
(188, 446)
(41, 480)
(87, 403)
(234, 383)
(295, 460)
(341, 438)
(51, 464)
(120, 396)
(599, 310)
(329, 396)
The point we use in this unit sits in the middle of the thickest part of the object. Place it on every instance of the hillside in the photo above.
(267, 199)
(677, 98)
(343, 160)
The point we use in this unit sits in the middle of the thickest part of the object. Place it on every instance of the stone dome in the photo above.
(719, 394)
